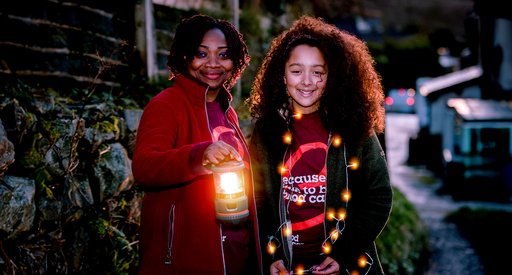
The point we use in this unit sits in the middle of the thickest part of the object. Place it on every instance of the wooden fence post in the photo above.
(145, 37)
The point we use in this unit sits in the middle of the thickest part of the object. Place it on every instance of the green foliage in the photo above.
(410, 42)
(32, 156)
(488, 231)
(42, 179)
(403, 244)
(145, 92)
(17, 89)
(116, 253)
(108, 126)
(377, 50)
(249, 24)
(159, 84)
(400, 61)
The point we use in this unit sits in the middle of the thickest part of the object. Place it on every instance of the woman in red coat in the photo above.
(184, 129)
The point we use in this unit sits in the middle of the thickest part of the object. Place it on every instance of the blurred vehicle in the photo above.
(400, 100)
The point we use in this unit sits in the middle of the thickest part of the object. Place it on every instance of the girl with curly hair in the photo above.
(321, 178)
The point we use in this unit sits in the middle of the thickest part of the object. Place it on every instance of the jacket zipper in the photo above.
(329, 142)
(211, 137)
(288, 249)
(287, 245)
(170, 236)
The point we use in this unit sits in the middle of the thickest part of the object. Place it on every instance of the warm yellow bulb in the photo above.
(334, 235)
(362, 261)
(300, 201)
(336, 140)
(330, 214)
(326, 247)
(345, 195)
(299, 270)
(341, 214)
(282, 169)
(229, 183)
(354, 164)
(287, 138)
(287, 231)
(297, 115)
(271, 249)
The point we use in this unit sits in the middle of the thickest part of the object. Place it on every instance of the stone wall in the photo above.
(68, 120)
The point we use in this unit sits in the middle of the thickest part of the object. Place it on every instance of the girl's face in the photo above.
(305, 78)
(212, 65)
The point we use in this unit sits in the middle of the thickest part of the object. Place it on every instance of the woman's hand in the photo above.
(218, 152)
(328, 266)
(277, 268)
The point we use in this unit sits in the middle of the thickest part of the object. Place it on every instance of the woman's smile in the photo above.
(212, 64)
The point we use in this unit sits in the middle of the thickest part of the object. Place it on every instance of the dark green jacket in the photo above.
(368, 209)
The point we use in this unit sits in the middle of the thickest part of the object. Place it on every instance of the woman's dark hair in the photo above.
(353, 101)
(188, 37)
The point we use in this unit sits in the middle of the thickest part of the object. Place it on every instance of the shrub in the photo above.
(403, 244)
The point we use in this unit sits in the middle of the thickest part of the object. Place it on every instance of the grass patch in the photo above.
(490, 234)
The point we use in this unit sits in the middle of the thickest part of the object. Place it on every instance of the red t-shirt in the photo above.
(304, 185)
(236, 239)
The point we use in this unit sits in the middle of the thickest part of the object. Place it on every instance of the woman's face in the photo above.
(305, 77)
(211, 64)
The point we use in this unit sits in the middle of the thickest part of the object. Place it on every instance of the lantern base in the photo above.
(232, 218)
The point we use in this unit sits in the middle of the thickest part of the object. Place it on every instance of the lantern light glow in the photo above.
(229, 183)
(231, 204)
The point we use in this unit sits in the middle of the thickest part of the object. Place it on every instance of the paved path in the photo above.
(451, 253)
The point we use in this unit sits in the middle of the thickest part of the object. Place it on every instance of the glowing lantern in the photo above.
(230, 198)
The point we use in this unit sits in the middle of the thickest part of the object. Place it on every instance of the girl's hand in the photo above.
(278, 268)
(328, 266)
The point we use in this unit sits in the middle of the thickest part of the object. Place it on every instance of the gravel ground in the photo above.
(451, 253)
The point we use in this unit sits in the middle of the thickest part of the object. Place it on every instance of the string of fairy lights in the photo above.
(338, 215)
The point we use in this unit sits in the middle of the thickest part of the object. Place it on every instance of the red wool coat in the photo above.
(178, 230)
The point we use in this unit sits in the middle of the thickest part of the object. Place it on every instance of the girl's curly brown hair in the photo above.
(353, 102)
(188, 37)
